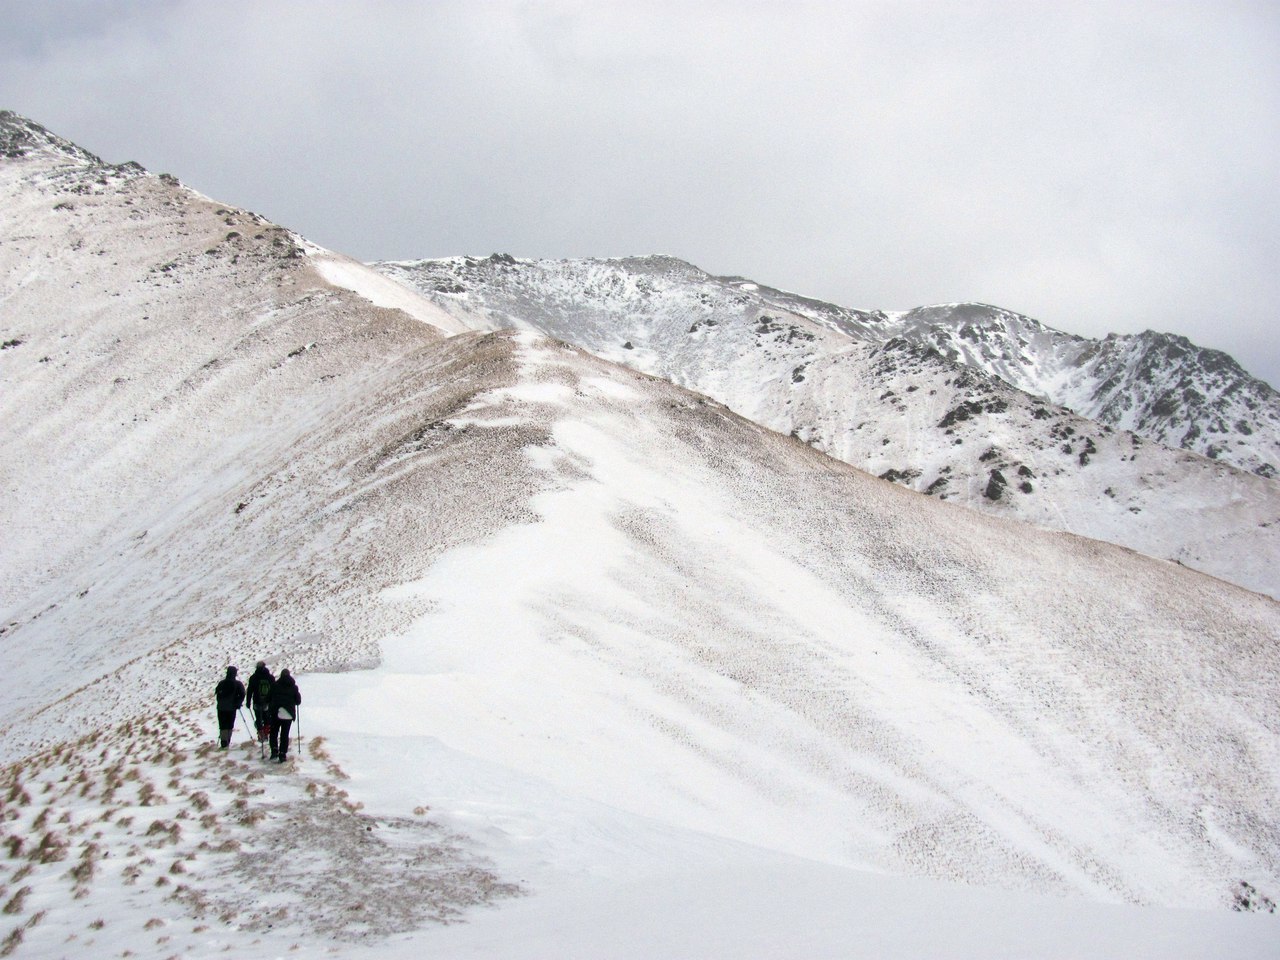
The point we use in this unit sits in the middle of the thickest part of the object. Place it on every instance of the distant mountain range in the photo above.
(965, 402)
(1158, 385)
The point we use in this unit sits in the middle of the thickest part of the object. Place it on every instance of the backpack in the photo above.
(227, 695)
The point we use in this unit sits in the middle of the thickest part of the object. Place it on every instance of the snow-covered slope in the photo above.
(874, 391)
(571, 633)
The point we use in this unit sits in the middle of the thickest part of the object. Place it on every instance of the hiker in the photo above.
(229, 694)
(282, 709)
(259, 696)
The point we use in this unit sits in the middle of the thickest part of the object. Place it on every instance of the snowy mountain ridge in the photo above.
(20, 137)
(568, 636)
(876, 391)
(1160, 386)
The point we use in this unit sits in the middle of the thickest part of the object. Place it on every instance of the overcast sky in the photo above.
(1102, 167)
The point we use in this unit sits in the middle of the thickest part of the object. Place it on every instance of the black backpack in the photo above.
(228, 694)
(261, 689)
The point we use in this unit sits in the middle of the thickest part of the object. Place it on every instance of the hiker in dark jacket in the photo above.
(229, 694)
(282, 709)
(259, 697)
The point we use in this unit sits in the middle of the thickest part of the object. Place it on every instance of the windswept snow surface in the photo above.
(609, 885)
(600, 667)
(957, 401)
(355, 276)
(713, 721)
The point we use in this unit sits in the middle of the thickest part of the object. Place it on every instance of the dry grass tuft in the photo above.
(17, 901)
(19, 796)
(83, 871)
(11, 942)
(148, 795)
(52, 848)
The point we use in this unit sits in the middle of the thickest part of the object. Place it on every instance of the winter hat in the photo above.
(285, 674)
(231, 671)
(261, 665)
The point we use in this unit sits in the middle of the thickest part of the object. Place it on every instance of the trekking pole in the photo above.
(247, 725)
(297, 712)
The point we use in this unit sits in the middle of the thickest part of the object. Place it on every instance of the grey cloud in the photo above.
(1098, 166)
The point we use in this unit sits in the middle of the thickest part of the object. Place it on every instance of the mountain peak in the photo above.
(975, 315)
(20, 137)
